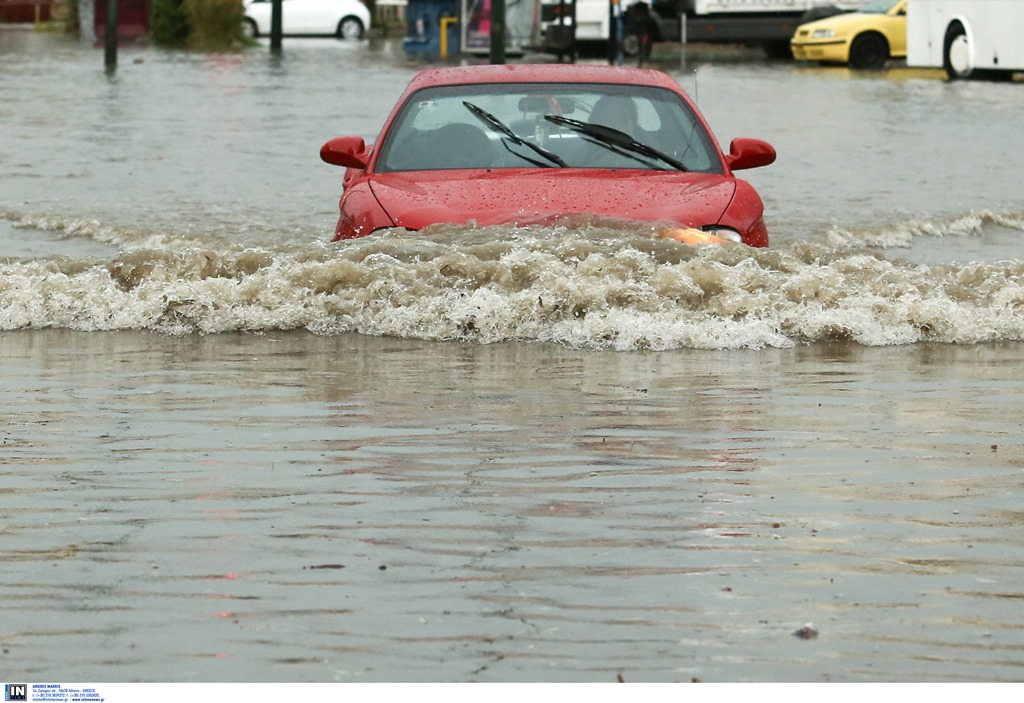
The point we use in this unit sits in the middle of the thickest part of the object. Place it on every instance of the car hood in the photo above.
(846, 22)
(415, 200)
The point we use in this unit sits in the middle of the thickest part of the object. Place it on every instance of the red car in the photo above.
(527, 144)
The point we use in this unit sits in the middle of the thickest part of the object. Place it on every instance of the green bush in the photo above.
(214, 25)
(168, 25)
(206, 25)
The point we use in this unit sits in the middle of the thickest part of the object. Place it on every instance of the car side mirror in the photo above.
(350, 152)
(749, 153)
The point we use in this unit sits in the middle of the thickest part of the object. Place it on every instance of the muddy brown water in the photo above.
(234, 452)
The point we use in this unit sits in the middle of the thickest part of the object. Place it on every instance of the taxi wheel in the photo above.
(869, 52)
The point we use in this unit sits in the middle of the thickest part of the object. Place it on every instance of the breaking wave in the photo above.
(579, 283)
(904, 233)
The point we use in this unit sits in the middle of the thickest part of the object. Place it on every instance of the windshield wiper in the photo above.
(499, 126)
(614, 139)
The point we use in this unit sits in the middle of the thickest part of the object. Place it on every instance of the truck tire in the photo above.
(777, 49)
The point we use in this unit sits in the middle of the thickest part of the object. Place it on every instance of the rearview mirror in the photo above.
(350, 152)
(543, 104)
(749, 153)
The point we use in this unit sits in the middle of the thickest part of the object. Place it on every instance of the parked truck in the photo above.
(768, 23)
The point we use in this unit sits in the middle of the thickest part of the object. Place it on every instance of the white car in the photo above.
(345, 19)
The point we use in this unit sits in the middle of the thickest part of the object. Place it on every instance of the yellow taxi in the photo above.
(864, 39)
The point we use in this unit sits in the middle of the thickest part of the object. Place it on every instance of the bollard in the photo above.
(497, 31)
(445, 21)
(276, 24)
(110, 38)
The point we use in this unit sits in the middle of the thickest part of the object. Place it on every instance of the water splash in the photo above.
(578, 283)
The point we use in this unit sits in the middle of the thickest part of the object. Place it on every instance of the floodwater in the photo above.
(233, 451)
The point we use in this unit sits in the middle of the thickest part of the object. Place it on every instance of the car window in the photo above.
(518, 126)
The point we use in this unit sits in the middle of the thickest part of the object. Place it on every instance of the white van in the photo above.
(770, 23)
(968, 38)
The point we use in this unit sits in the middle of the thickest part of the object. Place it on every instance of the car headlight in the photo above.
(709, 234)
(726, 233)
(823, 34)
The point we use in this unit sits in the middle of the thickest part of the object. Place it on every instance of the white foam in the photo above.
(594, 287)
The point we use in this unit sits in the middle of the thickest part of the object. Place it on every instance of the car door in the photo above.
(896, 30)
(305, 17)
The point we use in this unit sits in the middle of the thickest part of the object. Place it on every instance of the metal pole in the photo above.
(615, 57)
(682, 40)
(611, 31)
(572, 36)
(110, 37)
(275, 25)
(497, 31)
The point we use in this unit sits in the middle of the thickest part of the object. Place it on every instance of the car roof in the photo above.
(541, 73)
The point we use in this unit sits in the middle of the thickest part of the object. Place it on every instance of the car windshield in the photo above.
(878, 6)
(493, 126)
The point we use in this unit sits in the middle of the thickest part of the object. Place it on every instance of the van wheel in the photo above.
(631, 45)
(869, 52)
(956, 53)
